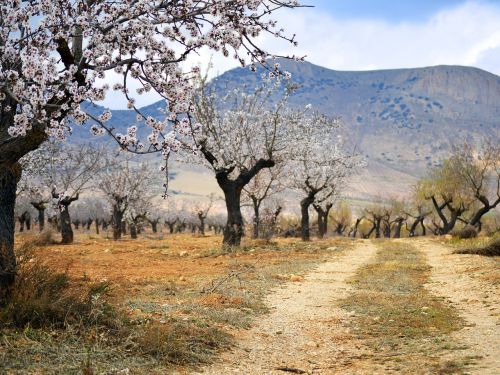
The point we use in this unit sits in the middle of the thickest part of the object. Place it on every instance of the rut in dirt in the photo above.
(306, 331)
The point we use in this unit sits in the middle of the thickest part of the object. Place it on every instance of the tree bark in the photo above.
(117, 222)
(233, 231)
(40, 207)
(9, 176)
(66, 230)
(133, 231)
(256, 217)
(304, 221)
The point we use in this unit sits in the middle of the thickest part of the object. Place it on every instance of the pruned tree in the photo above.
(318, 166)
(478, 170)
(137, 211)
(91, 209)
(242, 134)
(323, 211)
(265, 184)
(123, 181)
(378, 215)
(69, 174)
(23, 212)
(342, 218)
(354, 230)
(418, 209)
(447, 194)
(54, 55)
(397, 218)
(201, 210)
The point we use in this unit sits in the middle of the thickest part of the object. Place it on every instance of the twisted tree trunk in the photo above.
(9, 176)
(233, 231)
(40, 207)
(304, 221)
(117, 222)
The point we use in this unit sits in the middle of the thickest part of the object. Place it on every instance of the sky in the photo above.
(380, 34)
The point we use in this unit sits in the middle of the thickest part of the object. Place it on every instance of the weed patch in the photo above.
(394, 313)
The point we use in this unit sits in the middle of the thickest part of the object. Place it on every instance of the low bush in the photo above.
(46, 237)
(42, 297)
(465, 233)
(181, 342)
(491, 249)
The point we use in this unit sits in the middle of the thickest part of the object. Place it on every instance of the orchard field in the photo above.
(177, 303)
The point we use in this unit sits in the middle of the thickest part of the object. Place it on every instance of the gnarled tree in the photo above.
(54, 55)
(242, 134)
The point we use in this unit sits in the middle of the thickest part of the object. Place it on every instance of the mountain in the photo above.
(402, 120)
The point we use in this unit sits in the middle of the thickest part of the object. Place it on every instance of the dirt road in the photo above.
(306, 333)
(465, 281)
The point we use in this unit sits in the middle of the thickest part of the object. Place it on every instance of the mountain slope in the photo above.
(402, 120)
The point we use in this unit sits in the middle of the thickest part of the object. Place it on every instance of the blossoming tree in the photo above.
(242, 134)
(56, 54)
(319, 164)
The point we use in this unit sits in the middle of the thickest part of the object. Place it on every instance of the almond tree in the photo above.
(23, 212)
(479, 173)
(319, 165)
(69, 176)
(342, 218)
(445, 190)
(201, 209)
(54, 55)
(123, 181)
(264, 185)
(92, 209)
(242, 134)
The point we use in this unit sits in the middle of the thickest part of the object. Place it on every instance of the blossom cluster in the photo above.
(55, 55)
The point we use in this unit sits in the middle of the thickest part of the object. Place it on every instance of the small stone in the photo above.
(183, 253)
(182, 278)
(313, 344)
(296, 278)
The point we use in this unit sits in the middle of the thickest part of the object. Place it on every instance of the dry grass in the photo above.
(397, 317)
(490, 249)
(155, 284)
(43, 298)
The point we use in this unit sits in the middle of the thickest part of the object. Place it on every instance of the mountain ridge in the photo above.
(403, 120)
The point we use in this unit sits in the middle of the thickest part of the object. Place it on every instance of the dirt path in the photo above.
(462, 279)
(305, 332)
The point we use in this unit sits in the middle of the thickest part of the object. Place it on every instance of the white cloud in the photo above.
(468, 34)
(462, 35)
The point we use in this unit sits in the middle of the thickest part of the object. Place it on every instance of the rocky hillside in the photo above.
(402, 120)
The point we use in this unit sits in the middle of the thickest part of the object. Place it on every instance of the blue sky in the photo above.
(389, 10)
(379, 34)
